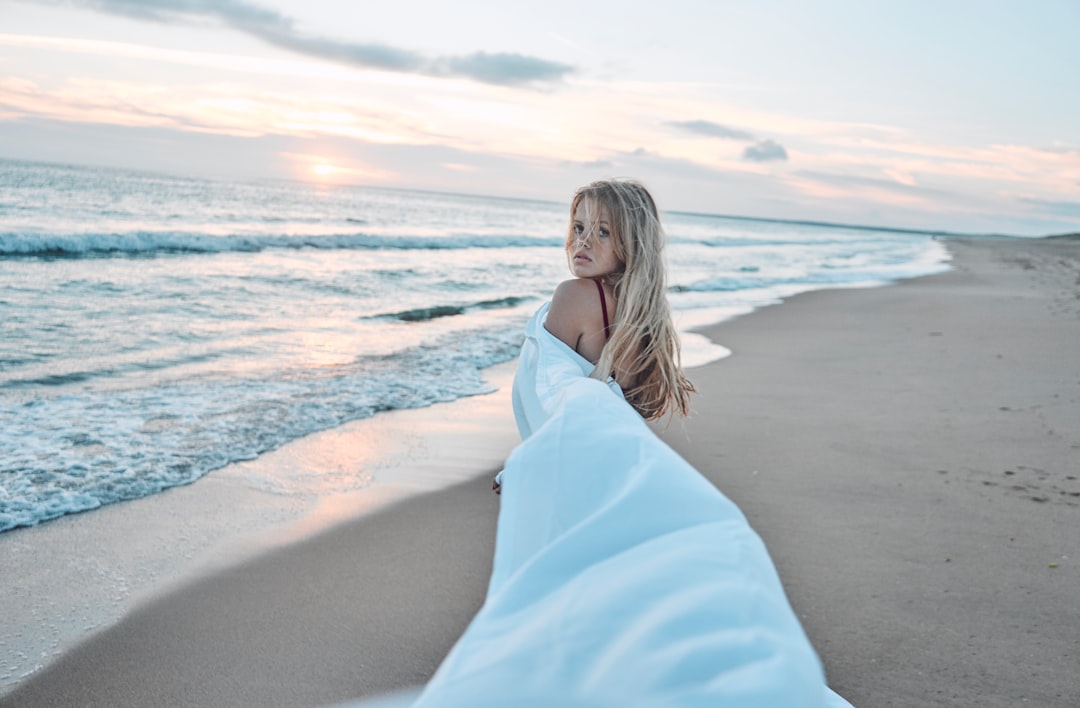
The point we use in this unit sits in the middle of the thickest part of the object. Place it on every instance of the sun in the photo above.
(331, 169)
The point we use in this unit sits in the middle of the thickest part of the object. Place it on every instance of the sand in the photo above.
(71, 577)
(910, 455)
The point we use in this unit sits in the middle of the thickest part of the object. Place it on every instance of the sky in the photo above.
(958, 115)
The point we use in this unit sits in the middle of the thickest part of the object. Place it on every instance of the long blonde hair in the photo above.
(643, 346)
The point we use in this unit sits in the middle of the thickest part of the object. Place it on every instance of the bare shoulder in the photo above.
(567, 307)
(567, 317)
(576, 291)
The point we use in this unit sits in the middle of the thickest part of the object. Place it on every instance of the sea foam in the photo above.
(143, 243)
(155, 328)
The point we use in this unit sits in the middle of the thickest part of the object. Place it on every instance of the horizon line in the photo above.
(680, 212)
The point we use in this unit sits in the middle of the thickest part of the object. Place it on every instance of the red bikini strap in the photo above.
(603, 308)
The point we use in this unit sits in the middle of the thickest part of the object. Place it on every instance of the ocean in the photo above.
(154, 328)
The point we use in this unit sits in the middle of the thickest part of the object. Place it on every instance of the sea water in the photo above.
(154, 328)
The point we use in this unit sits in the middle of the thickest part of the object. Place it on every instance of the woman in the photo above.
(614, 315)
(615, 242)
(621, 576)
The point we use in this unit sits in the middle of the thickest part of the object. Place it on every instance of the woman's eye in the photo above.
(578, 229)
(604, 233)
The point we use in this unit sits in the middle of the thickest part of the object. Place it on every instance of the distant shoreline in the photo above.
(527, 200)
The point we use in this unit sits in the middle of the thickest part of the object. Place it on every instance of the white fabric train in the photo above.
(621, 576)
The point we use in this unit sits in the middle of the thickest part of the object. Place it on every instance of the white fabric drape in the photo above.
(621, 576)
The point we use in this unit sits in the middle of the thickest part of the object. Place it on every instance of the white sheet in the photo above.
(621, 576)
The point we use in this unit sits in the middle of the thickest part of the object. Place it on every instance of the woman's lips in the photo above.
(581, 258)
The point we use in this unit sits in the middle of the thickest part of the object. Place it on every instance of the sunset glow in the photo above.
(803, 122)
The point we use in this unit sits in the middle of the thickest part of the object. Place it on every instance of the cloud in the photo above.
(764, 151)
(1061, 150)
(220, 108)
(857, 184)
(760, 151)
(589, 164)
(280, 30)
(648, 161)
(1068, 209)
(711, 130)
(502, 69)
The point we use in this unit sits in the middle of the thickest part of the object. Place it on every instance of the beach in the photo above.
(910, 455)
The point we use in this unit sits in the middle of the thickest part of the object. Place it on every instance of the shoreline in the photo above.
(750, 481)
(104, 564)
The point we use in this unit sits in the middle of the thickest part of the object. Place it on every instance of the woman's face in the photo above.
(592, 250)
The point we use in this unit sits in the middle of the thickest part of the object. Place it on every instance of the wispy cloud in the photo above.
(1069, 210)
(589, 164)
(760, 151)
(220, 108)
(841, 190)
(1061, 149)
(709, 129)
(280, 30)
(861, 181)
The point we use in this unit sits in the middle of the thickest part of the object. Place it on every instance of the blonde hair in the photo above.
(643, 346)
